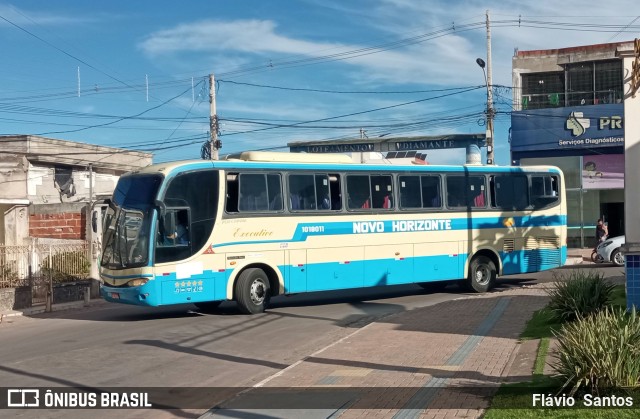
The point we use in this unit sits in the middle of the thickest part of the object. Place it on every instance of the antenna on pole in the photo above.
(78, 81)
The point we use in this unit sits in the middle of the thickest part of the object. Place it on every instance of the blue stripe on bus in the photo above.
(212, 285)
(304, 230)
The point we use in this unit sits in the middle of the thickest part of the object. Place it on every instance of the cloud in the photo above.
(260, 37)
(253, 36)
(24, 18)
(446, 58)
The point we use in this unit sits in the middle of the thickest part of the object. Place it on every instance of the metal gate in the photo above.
(41, 266)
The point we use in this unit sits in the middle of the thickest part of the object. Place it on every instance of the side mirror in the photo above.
(161, 206)
(109, 202)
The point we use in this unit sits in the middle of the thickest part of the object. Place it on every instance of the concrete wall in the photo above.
(13, 176)
(72, 153)
(27, 177)
(15, 222)
(42, 189)
(15, 298)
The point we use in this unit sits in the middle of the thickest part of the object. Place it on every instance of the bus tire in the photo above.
(208, 305)
(252, 291)
(482, 274)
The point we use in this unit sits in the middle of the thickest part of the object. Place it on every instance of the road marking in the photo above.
(319, 351)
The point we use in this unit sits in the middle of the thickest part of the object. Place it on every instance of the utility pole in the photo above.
(90, 184)
(490, 110)
(213, 119)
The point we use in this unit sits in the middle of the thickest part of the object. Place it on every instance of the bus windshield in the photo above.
(128, 222)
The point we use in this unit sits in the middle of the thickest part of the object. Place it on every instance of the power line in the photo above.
(361, 112)
(61, 50)
(345, 91)
(119, 119)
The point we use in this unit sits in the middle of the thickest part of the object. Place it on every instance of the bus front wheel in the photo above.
(482, 274)
(252, 291)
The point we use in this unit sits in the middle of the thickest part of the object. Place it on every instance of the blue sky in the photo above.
(328, 58)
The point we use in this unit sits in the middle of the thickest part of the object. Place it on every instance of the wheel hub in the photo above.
(257, 292)
(482, 275)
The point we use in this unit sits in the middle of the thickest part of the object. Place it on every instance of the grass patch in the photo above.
(619, 297)
(541, 357)
(541, 325)
(543, 322)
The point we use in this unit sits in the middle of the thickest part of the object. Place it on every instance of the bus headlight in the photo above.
(137, 282)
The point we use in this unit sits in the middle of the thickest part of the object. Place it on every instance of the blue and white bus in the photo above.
(262, 224)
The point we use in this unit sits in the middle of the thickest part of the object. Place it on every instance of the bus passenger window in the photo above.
(476, 191)
(430, 191)
(302, 192)
(509, 192)
(381, 192)
(409, 187)
(259, 192)
(544, 190)
(335, 192)
(358, 192)
(456, 191)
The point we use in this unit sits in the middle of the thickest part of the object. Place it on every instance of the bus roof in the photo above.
(265, 156)
(312, 161)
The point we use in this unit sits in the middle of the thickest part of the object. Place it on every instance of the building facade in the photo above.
(568, 112)
(48, 185)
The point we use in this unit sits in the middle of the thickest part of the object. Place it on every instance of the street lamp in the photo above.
(489, 113)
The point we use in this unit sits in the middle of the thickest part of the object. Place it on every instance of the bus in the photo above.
(263, 224)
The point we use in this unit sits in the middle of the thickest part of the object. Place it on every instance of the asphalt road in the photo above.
(109, 345)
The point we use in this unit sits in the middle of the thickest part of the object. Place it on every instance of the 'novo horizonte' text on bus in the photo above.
(265, 224)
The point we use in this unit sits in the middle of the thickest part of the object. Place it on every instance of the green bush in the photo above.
(579, 294)
(66, 266)
(601, 352)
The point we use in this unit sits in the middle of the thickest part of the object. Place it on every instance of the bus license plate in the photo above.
(115, 295)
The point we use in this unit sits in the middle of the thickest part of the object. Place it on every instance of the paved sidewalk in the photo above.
(441, 361)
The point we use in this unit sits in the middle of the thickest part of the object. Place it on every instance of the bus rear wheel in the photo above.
(482, 274)
(252, 291)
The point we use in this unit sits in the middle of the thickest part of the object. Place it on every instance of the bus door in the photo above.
(98, 210)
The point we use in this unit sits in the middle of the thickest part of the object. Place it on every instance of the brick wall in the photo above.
(58, 226)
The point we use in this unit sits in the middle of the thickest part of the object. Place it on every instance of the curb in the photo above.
(43, 309)
(574, 260)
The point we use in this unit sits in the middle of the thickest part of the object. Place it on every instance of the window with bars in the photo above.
(586, 83)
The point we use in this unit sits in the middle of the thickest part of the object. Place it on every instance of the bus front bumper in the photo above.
(140, 296)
